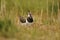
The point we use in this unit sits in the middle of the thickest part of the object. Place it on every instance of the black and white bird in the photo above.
(27, 20)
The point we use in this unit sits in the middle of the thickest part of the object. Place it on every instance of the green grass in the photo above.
(45, 29)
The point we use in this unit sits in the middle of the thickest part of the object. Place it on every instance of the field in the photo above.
(46, 25)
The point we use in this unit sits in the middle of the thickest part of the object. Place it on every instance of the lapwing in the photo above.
(26, 21)
(29, 18)
(22, 20)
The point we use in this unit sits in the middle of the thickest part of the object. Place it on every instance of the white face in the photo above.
(28, 15)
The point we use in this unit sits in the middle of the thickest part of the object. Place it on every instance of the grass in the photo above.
(43, 28)
(36, 31)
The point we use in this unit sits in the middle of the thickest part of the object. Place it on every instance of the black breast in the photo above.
(30, 19)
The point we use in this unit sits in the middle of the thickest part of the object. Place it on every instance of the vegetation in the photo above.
(44, 27)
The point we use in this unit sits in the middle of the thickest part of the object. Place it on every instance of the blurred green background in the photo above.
(47, 10)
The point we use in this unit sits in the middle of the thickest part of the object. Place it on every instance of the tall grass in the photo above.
(9, 21)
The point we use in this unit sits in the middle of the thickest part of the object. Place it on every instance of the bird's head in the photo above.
(29, 13)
